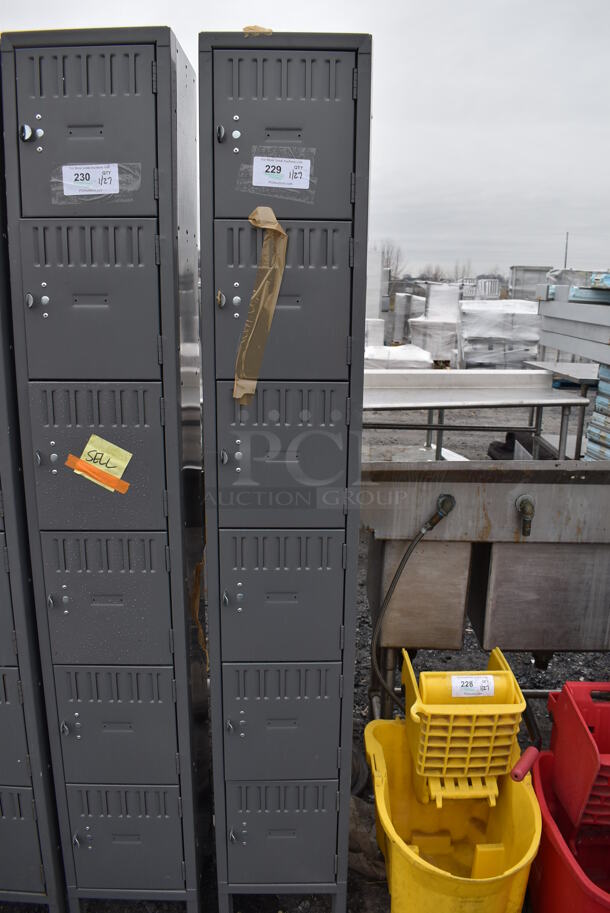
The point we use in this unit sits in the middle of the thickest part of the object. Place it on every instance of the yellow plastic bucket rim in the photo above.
(420, 707)
(374, 752)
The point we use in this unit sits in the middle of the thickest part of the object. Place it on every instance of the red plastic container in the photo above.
(580, 742)
(562, 881)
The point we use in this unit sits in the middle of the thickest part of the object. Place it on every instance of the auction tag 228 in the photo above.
(472, 685)
(280, 172)
(85, 180)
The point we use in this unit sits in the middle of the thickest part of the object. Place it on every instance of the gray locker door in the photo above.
(282, 458)
(117, 725)
(281, 594)
(63, 418)
(282, 832)
(20, 860)
(311, 324)
(281, 719)
(126, 838)
(108, 597)
(95, 105)
(291, 104)
(95, 281)
(7, 644)
(14, 746)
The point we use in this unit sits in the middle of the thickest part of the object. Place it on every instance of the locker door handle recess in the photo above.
(224, 457)
(29, 300)
(220, 133)
(64, 728)
(225, 598)
(27, 134)
(221, 299)
(76, 841)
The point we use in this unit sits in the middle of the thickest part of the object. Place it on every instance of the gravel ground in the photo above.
(368, 893)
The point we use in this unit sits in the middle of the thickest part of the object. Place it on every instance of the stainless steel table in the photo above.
(585, 374)
(438, 390)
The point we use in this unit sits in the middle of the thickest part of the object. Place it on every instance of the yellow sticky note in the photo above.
(105, 456)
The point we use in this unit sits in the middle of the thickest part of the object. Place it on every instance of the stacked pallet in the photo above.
(498, 334)
(598, 432)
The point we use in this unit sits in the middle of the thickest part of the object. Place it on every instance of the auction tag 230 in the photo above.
(269, 171)
(85, 180)
(472, 685)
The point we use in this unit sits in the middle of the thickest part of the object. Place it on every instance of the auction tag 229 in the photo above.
(85, 180)
(280, 172)
(472, 685)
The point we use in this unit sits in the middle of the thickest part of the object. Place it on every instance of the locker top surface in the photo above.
(160, 35)
(339, 41)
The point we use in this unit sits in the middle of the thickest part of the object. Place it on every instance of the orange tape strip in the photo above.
(100, 475)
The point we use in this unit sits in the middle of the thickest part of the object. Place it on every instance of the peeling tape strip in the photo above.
(262, 303)
(97, 474)
(252, 30)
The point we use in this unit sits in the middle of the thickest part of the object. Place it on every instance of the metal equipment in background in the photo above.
(525, 554)
(30, 861)
(99, 129)
(280, 470)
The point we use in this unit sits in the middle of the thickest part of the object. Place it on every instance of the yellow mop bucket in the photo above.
(462, 728)
(467, 855)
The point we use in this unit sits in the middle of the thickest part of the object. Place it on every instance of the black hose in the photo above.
(444, 506)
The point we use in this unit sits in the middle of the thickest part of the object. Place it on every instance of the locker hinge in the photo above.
(351, 251)
(348, 354)
(345, 500)
(342, 637)
(171, 641)
(15, 646)
(165, 503)
(175, 699)
(162, 409)
(157, 250)
(355, 83)
(348, 410)
(344, 555)
(177, 763)
(5, 559)
(341, 686)
(160, 349)
(352, 190)
(338, 797)
(34, 811)
(28, 764)
(20, 691)
(154, 77)
(156, 183)
(168, 560)
(338, 768)
(180, 806)
(336, 864)
(183, 864)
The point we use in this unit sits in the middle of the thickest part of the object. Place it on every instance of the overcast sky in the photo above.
(491, 124)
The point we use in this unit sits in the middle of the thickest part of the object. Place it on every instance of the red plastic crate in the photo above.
(580, 742)
(562, 880)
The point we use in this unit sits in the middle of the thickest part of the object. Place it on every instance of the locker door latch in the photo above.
(76, 841)
(224, 457)
(238, 836)
(64, 728)
(221, 299)
(27, 134)
(220, 133)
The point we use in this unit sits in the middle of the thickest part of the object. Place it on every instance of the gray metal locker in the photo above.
(284, 104)
(21, 869)
(281, 716)
(125, 836)
(282, 831)
(130, 416)
(311, 325)
(95, 280)
(73, 104)
(282, 594)
(30, 864)
(99, 129)
(284, 123)
(283, 457)
(108, 597)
